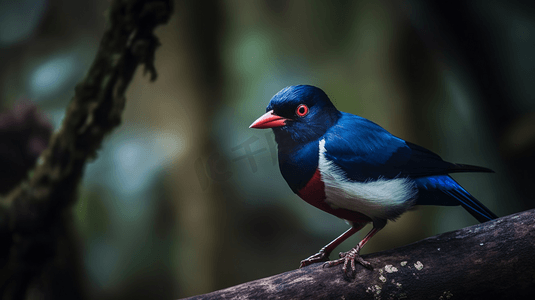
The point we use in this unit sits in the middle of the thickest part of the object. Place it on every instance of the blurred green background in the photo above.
(173, 207)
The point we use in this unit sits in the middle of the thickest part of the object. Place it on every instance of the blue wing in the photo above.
(366, 151)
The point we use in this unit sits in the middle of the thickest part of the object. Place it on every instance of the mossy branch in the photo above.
(32, 218)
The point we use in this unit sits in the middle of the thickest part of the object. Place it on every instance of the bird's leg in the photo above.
(352, 256)
(324, 253)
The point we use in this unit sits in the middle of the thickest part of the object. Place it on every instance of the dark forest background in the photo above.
(174, 207)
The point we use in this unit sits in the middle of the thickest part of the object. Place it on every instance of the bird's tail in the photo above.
(471, 204)
(459, 168)
(450, 193)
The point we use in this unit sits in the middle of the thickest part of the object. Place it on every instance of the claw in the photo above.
(320, 256)
(349, 259)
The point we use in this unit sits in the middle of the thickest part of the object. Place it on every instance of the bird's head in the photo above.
(298, 114)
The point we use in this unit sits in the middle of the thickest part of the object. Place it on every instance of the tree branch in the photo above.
(32, 227)
(493, 260)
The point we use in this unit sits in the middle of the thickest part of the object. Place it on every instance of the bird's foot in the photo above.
(348, 259)
(318, 257)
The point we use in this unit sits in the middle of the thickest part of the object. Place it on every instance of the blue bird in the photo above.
(354, 169)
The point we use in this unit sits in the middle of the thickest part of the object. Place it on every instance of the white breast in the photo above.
(378, 199)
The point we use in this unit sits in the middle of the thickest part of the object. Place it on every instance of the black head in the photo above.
(298, 114)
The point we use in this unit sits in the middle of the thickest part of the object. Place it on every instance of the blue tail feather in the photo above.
(443, 190)
(472, 205)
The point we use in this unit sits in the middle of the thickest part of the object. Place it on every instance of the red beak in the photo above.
(269, 120)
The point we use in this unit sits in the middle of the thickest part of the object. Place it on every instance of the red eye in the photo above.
(302, 110)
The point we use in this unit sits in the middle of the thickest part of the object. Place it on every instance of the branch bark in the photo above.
(34, 218)
(493, 260)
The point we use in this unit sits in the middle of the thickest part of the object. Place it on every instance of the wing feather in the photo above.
(366, 151)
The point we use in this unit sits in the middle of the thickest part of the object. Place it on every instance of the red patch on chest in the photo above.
(314, 194)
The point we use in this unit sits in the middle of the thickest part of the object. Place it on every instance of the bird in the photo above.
(354, 169)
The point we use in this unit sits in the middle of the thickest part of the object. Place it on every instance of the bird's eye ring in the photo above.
(302, 110)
